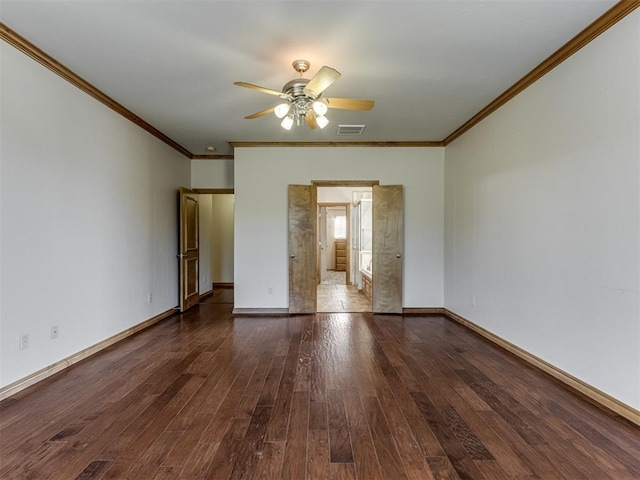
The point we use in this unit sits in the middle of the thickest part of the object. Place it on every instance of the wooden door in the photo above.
(302, 248)
(189, 252)
(387, 248)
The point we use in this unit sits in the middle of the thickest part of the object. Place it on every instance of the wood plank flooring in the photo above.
(205, 395)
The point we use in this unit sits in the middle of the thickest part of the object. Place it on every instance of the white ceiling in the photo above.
(429, 65)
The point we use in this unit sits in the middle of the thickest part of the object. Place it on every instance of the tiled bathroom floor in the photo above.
(342, 298)
(335, 277)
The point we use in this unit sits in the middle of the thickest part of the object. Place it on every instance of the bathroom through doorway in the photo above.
(341, 280)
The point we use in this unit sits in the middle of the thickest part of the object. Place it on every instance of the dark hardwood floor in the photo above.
(205, 395)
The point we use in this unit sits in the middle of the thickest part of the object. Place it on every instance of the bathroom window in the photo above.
(340, 224)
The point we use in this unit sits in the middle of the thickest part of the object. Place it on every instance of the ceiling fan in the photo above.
(302, 98)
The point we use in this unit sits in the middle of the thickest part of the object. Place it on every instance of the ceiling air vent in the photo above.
(350, 129)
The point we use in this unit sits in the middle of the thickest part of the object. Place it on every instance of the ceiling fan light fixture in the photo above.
(320, 108)
(322, 121)
(287, 122)
(282, 110)
(300, 97)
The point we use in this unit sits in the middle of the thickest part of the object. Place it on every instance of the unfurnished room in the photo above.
(284, 239)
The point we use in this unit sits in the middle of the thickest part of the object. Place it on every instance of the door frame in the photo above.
(343, 183)
(199, 191)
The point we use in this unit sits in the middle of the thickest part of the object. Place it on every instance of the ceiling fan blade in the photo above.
(321, 80)
(349, 103)
(260, 114)
(258, 88)
(310, 117)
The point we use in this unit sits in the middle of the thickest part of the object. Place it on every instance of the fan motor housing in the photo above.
(296, 87)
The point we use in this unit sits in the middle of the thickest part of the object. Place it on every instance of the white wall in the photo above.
(212, 174)
(205, 242)
(543, 216)
(88, 219)
(222, 238)
(261, 179)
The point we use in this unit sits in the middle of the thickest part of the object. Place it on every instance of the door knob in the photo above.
(293, 255)
(182, 255)
(398, 255)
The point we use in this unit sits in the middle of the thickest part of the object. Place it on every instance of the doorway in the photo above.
(215, 240)
(340, 287)
(386, 253)
(333, 255)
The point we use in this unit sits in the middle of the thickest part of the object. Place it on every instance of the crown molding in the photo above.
(211, 157)
(597, 27)
(336, 144)
(616, 13)
(29, 49)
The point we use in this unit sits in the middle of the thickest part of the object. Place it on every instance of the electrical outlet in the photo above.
(149, 298)
(54, 332)
(270, 291)
(24, 342)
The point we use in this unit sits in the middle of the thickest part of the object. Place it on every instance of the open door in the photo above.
(321, 264)
(189, 253)
(303, 223)
(387, 248)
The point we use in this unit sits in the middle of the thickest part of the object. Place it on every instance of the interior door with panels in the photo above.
(189, 249)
